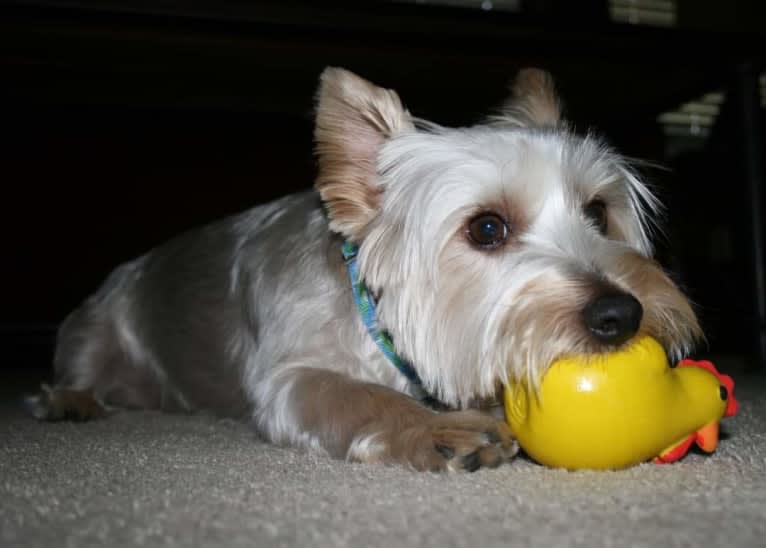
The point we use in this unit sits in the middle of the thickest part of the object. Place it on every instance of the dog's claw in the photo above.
(444, 450)
(492, 437)
(463, 440)
(471, 462)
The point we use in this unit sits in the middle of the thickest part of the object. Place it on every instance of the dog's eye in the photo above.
(595, 211)
(488, 230)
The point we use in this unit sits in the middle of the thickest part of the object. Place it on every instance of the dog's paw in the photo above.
(53, 404)
(38, 405)
(464, 440)
(453, 441)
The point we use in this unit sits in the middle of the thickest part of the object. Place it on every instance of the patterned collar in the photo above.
(365, 303)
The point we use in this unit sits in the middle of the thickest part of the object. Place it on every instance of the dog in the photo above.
(377, 317)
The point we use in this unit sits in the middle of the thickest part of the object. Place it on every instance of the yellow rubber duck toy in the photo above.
(620, 409)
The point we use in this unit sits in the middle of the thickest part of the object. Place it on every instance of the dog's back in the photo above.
(179, 328)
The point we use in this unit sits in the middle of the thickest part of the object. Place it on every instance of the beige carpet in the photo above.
(144, 479)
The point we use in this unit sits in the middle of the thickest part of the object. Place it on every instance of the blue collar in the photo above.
(365, 303)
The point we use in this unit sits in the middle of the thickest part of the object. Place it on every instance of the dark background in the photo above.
(123, 123)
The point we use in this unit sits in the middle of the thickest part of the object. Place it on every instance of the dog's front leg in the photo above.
(365, 422)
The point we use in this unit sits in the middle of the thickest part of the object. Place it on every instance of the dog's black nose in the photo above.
(613, 318)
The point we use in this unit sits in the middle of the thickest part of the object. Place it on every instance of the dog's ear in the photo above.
(354, 118)
(533, 101)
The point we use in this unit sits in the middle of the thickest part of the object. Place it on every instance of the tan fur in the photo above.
(552, 307)
(533, 100)
(60, 404)
(668, 315)
(354, 118)
(343, 411)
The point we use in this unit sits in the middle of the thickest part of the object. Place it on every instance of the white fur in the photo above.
(366, 448)
(433, 182)
(236, 316)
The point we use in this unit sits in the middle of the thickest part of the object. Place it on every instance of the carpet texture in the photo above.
(146, 479)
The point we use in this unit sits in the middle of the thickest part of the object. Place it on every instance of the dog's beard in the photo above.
(466, 333)
(469, 319)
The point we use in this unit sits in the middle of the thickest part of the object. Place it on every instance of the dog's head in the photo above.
(496, 248)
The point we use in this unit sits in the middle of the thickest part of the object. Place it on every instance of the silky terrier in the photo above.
(377, 317)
